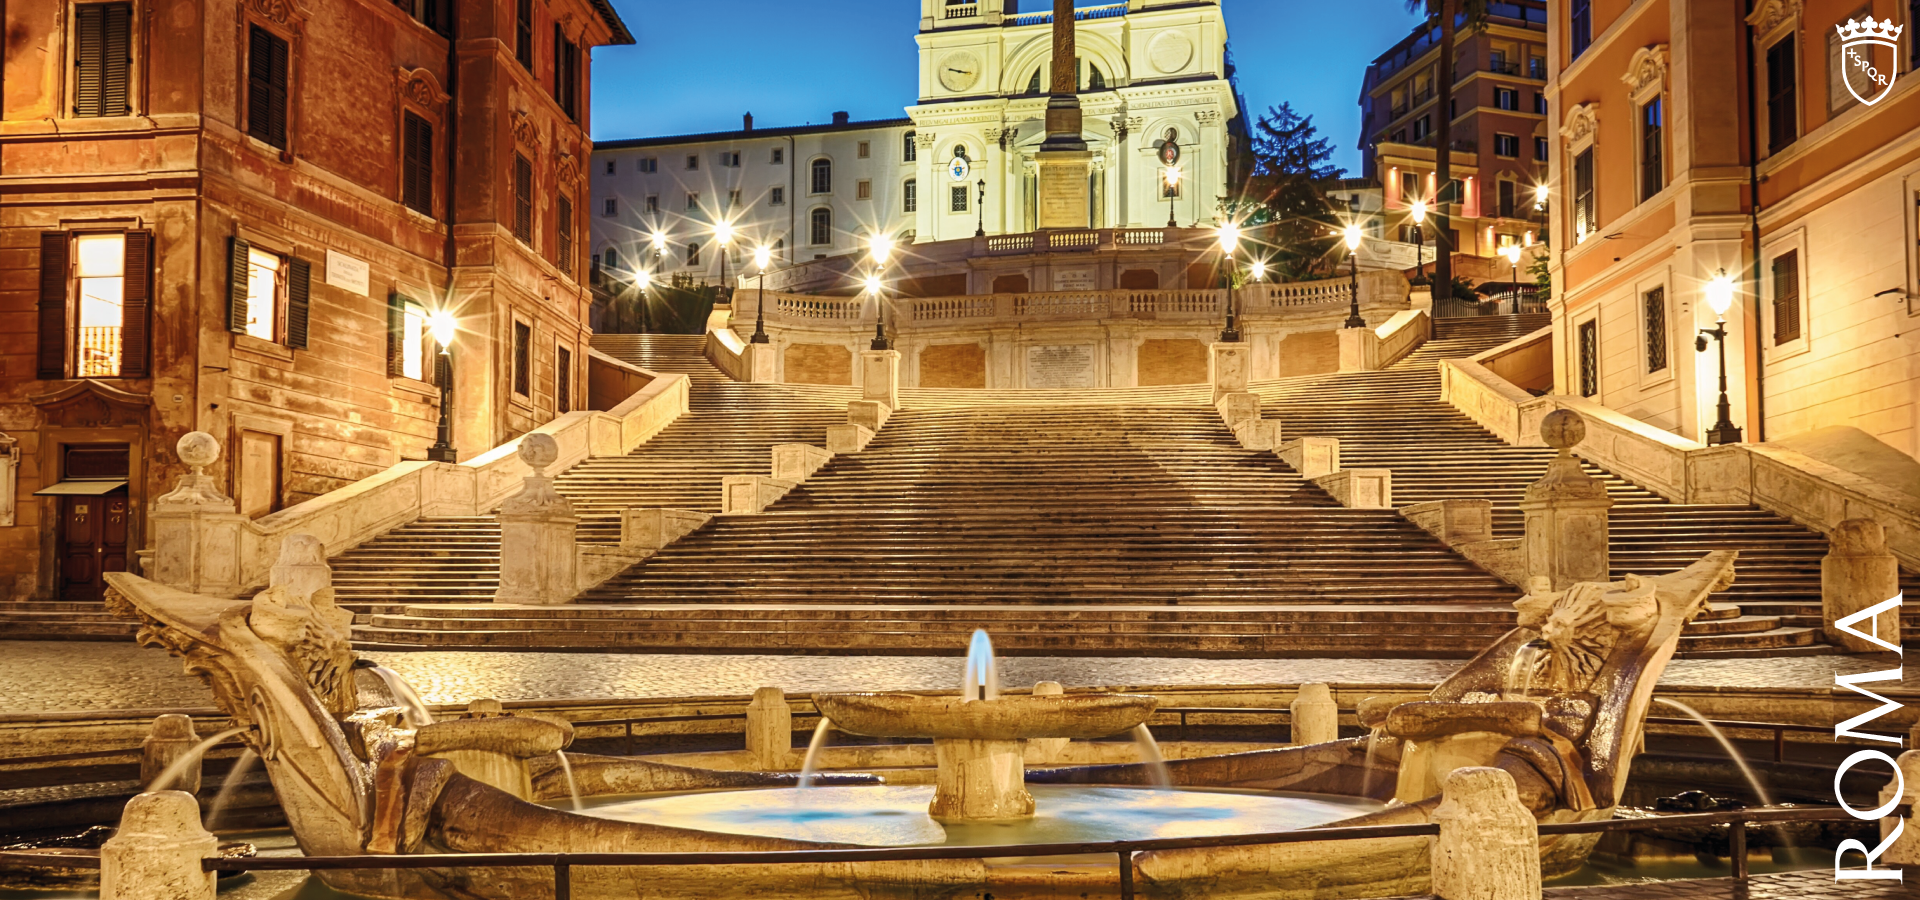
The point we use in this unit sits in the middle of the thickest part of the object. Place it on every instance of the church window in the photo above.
(910, 192)
(864, 150)
(610, 208)
(959, 199)
(822, 226)
(610, 167)
(822, 176)
(910, 147)
(693, 253)
(778, 197)
(653, 203)
(779, 155)
(693, 162)
(863, 190)
(693, 200)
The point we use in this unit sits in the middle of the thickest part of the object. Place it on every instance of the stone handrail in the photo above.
(370, 507)
(1402, 334)
(725, 348)
(1805, 490)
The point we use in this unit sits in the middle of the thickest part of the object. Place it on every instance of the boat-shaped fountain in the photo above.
(357, 775)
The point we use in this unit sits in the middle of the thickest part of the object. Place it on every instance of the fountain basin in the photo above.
(895, 815)
(1077, 716)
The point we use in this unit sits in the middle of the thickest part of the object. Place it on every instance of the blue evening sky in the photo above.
(697, 66)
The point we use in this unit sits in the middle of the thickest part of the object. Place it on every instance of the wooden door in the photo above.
(259, 473)
(93, 541)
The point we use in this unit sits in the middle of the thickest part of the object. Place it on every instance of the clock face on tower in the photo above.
(959, 70)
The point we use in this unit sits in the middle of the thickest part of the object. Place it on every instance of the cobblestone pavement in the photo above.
(78, 676)
(1815, 885)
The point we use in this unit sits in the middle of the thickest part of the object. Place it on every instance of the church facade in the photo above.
(962, 161)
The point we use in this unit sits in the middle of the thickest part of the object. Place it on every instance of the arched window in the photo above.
(822, 176)
(613, 258)
(780, 244)
(1088, 76)
(822, 221)
(910, 147)
(693, 253)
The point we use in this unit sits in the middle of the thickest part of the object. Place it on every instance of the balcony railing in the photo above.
(1503, 67)
(963, 10)
(99, 352)
(1083, 14)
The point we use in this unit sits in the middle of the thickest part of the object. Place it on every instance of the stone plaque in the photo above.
(1064, 192)
(349, 274)
(1073, 280)
(1060, 366)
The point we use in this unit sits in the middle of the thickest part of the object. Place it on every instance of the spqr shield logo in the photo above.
(1868, 71)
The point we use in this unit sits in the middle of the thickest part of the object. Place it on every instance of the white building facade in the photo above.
(962, 161)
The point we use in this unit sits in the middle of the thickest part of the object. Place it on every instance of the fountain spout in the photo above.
(981, 679)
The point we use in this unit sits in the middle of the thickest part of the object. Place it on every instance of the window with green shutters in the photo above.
(102, 59)
(267, 87)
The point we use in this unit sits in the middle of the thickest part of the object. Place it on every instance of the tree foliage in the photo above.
(1286, 192)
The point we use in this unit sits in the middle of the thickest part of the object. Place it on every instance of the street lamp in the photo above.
(762, 257)
(442, 325)
(1419, 214)
(1173, 188)
(981, 205)
(880, 247)
(1720, 297)
(723, 235)
(1512, 253)
(1353, 237)
(1229, 234)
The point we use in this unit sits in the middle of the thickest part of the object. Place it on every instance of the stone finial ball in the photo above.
(198, 448)
(539, 451)
(1562, 429)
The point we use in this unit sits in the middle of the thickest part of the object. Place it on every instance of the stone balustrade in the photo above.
(202, 543)
(1794, 485)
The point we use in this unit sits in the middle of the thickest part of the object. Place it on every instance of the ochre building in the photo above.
(236, 217)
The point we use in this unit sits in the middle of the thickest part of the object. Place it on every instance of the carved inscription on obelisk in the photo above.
(1063, 160)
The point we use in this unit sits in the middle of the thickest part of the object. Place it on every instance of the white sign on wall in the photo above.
(349, 274)
(1073, 280)
(1062, 366)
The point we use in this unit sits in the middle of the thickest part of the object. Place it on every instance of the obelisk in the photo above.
(1063, 159)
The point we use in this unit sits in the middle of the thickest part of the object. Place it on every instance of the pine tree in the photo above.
(1286, 191)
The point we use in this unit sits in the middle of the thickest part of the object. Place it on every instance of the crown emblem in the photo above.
(1869, 30)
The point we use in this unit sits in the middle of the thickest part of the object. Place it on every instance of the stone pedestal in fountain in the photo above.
(980, 745)
(1566, 512)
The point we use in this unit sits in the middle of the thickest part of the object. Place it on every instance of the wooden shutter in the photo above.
(1786, 297)
(417, 165)
(559, 67)
(396, 335)
(237, 248)
(522, 199)
(89, 58)
(563, 381)
(116, 61)
(267, 87)
(136, 305)
(53, 305)
(299, 301)
(563, 234)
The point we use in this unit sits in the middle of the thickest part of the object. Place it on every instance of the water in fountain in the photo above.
(809, 767)
(1733, 753)
(189, 758)
(566, 768)
(235, 775)
(1526, 661)
(1150, 755)
(1366, 771)
(416, 709)
(982, 681)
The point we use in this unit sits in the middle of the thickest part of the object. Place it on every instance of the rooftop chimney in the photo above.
(746, 122)
(840, 118)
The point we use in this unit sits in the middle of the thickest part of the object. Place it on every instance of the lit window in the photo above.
(263, 293)
(414, 338)
(99, 266)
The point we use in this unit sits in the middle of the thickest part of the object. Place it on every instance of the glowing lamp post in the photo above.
(1353, 238)
(1418, 212)
(1229, 242)
(1173, 189)
(1512, 253)
(723, 235)
(762, 257)
(879, 249)
(443, 327)
(1720, 297)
